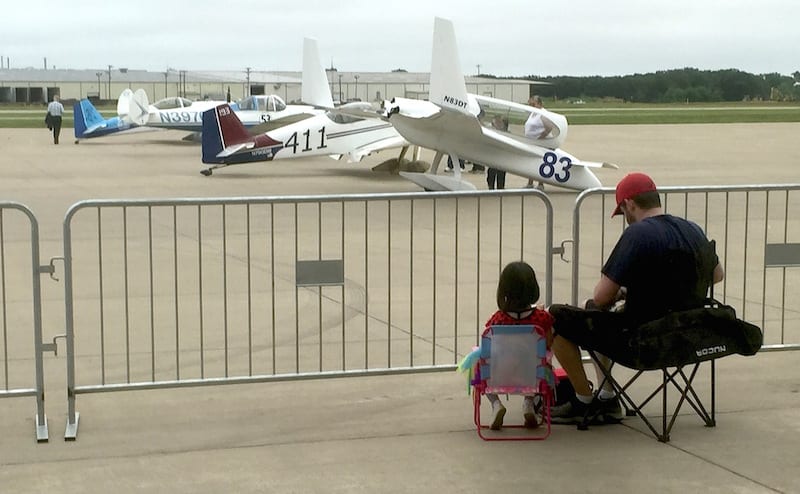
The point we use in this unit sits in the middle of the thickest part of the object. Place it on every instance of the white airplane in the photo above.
(183, 114)
(227, 142)
(168, 113)
(452, 123)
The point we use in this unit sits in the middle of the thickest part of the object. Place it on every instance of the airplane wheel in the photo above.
(207, 172)
(77, 141)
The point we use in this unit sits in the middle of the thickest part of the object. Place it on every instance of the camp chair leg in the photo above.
(664, 436)
(682, 382)
(542, 432)
(713, 421)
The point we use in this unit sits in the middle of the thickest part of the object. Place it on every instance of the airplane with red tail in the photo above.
(330, 132)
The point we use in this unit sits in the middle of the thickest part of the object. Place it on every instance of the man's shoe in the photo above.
(597, 412)
(610, 410)
(498, 412)
(532, 411)
(571, 412)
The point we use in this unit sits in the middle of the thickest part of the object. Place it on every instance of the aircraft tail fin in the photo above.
(124, 103)
(86, 118)
(79, 121)
(221, 129)
(315, 89)
(134, 107)
(447, 88)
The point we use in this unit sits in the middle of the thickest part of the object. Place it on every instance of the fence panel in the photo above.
(21, 347)
(192, 292)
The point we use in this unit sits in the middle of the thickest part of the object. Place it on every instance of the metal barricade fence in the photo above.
(21, 360)
(192, 292)
(757, 231)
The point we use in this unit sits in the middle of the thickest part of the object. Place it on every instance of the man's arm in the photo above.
(606, 292)
(719, 273)
(548, 128)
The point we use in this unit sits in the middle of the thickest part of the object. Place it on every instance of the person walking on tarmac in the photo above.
(55, 110)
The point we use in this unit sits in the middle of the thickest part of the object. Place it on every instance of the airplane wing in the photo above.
(391, 142)
(265, 127)
(360, 109)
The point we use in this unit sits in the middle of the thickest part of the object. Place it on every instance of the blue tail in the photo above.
(80, 118)
(212, 137)
(89, 123)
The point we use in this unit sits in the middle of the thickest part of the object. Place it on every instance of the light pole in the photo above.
(183, 83)
(99, 75)
(248, 81)
(340, 88)
(166, 75)
(109, 81)
(356, 78)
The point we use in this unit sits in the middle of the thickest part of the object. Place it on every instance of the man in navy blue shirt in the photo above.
(660, 264)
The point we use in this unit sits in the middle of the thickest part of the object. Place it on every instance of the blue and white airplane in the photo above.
(88, 122)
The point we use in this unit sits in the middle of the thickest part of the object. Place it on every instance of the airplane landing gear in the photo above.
(207, 172)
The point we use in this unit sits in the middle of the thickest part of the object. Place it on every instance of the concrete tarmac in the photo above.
(409, 433)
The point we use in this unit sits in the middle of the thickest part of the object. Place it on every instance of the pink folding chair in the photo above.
(514, 360)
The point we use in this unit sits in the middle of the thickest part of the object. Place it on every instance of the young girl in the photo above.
(517, 292)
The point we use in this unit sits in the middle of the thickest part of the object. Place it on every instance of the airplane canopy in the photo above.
(494, 111)
(262, 102)
(172, 103)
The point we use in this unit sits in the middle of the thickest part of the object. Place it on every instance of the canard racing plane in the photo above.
(456, 123)
(330, 132)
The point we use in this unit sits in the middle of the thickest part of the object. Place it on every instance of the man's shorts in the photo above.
(593, 329)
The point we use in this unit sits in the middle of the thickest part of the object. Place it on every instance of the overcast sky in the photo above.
(508, 38)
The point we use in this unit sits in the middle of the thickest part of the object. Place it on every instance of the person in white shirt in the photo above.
(55, 110)
(537, 126)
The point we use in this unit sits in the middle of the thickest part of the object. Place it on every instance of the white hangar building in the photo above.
(37, 86)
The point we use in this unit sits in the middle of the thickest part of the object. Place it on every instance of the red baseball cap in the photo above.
(631, 186)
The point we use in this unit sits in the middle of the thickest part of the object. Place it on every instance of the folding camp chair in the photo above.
(677, 344)
(514, 360)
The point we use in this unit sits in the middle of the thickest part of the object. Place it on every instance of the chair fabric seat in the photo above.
(687, 337)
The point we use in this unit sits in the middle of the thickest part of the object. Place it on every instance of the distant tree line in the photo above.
(679, 85)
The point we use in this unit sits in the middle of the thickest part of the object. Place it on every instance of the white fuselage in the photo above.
(507, 152)
(322, 135)
(191, 118)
